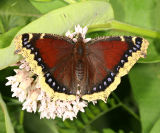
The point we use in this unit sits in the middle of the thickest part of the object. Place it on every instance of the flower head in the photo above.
(78, 30)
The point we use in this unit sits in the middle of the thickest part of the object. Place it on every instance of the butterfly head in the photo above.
(79, 38)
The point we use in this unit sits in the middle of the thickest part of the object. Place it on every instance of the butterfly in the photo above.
(91, 70)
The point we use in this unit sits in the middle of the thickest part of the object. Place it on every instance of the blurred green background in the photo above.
(134, 107)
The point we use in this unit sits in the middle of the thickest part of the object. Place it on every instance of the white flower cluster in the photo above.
(78, 30)
(27, 90)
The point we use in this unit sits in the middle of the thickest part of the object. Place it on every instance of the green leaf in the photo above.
(17, 7)
(145, 81)
(7, 57)
(108, 131)
(15, 13)
(67, 130)
(156, 127)
(153, 51)
(5, 122)
(43, 0)
(61, 20)
(130, 11)
(2, 30)
(153, 55)
(45, 7)
(7, 37)
(34, 124)
(85, 120)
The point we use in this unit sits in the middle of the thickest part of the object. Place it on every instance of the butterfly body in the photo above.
(79, 54)
(91, 70)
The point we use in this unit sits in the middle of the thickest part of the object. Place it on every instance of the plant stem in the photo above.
(70, 1)
(21, 117)
(116, 25)
(51, 125)
(102, 113)
(130, 111)
(126, 107)
(11, 101)
(120, 104)
(2, 27)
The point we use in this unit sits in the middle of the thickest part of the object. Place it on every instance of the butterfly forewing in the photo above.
(53, 50)
(53, 53)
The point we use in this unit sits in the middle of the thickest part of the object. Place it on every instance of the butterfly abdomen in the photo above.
(79, 70)
(79, 55)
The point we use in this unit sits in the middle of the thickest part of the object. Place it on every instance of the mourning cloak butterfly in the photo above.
(67, 68)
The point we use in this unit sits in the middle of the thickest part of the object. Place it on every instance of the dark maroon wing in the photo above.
(104, 59)
(54, 54)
